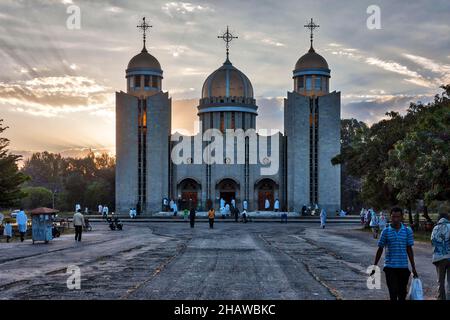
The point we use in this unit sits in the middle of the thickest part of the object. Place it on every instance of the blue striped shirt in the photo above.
(396, 243)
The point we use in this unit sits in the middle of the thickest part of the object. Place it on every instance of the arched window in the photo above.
(301, 82)
(308, 83)
(137, 81)
(318, 84)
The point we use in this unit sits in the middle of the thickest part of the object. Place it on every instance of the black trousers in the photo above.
(192, 223)
(22, 236)
(78, 231)
(211, 223)
(397, 282)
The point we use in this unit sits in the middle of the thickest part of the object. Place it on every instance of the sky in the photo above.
(57, 83)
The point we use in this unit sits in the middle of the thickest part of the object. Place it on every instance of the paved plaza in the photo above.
(163, 260)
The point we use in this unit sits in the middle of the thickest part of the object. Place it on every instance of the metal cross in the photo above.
(227, 37)
(311, 26)
(144, 26)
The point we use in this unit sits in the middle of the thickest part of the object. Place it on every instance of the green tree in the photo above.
(10, 177)
(88, 180)
(36, 197)
(403, 159)
(366, 159)
(351, 130)
(419, 163)
(46, 169)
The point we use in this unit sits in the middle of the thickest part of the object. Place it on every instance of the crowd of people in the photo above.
(376, 221)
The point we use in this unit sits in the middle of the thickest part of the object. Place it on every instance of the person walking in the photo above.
(276, 206)
(175, 209)
(245, 205)
(104, 212)
(267, 204)
(323, 218)
(192, 217)
(362, 215)
(398, 241)
(100, 209)
(8, 232)
(22, 221)
(374, 224)
(440, 240)
(78, 223)
(211, 216)
(244, 216)
(227, 210)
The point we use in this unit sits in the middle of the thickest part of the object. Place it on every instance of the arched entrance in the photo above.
(189, 192)
(227, 189)
(265, 189)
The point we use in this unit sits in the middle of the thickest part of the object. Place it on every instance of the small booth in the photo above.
(42, 224)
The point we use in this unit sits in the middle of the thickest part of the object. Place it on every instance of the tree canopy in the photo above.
(11, 178)
(89, 180)
(403, 159)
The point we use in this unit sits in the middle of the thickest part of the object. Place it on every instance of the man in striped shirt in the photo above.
(398, 240)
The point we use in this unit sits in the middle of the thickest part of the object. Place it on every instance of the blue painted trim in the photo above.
(229, 108)
(145, 72)
(303, 72)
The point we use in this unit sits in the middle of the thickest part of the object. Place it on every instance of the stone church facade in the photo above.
(145, 148)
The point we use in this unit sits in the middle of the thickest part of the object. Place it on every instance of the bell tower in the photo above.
(143, 127)
(312, 129)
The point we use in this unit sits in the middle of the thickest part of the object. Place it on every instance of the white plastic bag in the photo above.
(415, 291)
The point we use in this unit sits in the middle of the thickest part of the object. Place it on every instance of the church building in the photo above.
(146, 172)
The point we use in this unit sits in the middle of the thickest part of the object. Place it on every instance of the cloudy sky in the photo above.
(57, 84)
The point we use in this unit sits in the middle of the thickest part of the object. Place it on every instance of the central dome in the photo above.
(311, 60)
(144, 60)
(227, 81)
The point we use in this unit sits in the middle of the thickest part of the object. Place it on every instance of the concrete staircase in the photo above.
(253, 217)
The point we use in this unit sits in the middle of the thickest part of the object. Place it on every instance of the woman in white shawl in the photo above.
(374, 223)
(22, 221)
(323, 218)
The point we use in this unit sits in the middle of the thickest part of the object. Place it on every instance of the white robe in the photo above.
(245, 205)
(276, 205)
(222, 203)
(267, 204)
(22, 220)
(323, 217)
